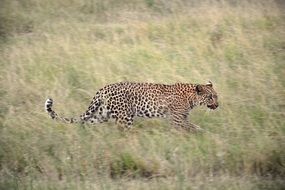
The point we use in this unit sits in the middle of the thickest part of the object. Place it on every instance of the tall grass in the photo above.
(69, 49)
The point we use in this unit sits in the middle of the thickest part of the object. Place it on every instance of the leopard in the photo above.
(123, 101)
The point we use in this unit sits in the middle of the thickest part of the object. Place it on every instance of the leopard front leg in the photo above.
(180, 119)
(195, 128)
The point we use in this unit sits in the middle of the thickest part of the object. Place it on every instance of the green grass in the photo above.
(69, 49)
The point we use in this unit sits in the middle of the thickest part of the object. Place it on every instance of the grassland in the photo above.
(69, 49)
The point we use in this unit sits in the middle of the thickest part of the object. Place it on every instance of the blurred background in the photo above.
(69, 49)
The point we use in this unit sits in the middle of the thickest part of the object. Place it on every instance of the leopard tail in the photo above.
(55, 116)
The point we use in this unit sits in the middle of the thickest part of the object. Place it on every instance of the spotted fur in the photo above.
(126, 100)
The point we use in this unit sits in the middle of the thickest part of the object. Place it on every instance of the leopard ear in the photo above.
(210, 84)
(199, 89)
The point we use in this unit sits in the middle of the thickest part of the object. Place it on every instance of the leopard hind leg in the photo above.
(102, 115)
(125, 120)
(92, 109)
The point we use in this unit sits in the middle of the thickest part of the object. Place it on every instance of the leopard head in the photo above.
(206, 95)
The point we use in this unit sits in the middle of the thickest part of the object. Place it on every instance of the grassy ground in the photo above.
(69, 49)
